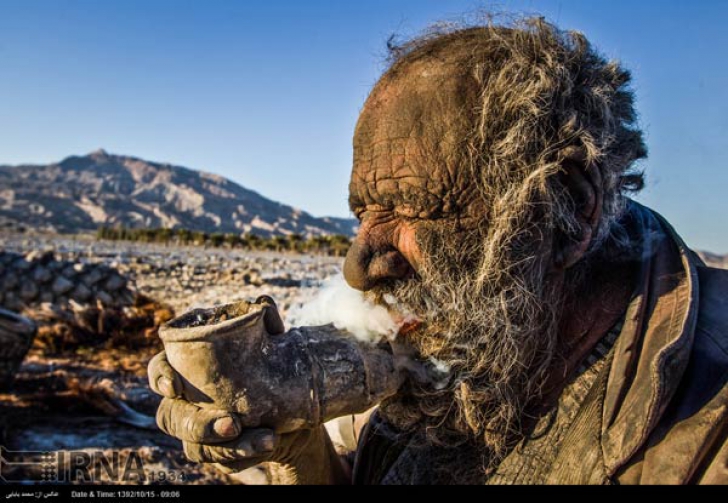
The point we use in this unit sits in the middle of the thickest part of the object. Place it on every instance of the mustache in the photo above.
(496, 338)
(405, 297)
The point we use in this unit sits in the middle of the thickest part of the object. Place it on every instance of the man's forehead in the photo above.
(395, 172)
(409, 137)
(409, 102)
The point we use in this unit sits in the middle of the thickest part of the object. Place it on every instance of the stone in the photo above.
(81, 293)
(115, 283)
(93, 276)
(253, 277)
(40, 256)
(6, 258)
(9, 281)
(124, 299)
(105, 299)
(69, 271)
(42, 274)
(61, 285)
(21, 265)
(28, 291)
(56, 266)
(12, 302)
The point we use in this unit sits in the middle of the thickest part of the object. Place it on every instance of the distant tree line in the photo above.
(334, 245)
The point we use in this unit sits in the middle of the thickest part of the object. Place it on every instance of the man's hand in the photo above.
(215, 436)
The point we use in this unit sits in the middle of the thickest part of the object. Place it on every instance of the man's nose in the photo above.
(366, 266)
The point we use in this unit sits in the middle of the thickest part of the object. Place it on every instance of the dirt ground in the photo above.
(86, 414)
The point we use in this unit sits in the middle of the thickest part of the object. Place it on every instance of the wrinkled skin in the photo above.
(407, 172)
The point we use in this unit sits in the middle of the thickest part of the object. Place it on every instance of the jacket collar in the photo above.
(653, 349)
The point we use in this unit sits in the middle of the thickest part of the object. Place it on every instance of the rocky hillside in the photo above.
(82, 193)
(714, 260)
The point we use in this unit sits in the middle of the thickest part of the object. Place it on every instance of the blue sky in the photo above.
(267, 93)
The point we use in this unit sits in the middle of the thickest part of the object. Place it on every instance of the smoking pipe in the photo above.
(238, 357)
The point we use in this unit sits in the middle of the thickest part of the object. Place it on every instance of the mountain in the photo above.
(82, 193)
(714, 260)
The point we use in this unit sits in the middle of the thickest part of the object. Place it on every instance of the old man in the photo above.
(586, 343)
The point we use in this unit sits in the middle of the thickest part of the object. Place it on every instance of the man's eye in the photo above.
(411, 214)
(374, 211)
(408, 215)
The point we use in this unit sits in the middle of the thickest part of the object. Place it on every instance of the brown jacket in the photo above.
(663, 414)
(659, 413)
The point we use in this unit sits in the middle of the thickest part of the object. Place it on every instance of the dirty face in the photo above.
(410, 174)
(420, 249)
(486, 160)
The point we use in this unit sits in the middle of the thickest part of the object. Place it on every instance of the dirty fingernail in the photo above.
(166, 387)
(264, 443)
(226, 427)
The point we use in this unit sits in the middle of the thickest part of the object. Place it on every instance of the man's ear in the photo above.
(583, 183)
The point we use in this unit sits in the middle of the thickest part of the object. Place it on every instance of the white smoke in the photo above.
(336, 302)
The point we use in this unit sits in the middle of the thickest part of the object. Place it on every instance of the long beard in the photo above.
(491, 320)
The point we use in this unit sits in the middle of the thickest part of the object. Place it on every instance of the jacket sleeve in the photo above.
(716, 471)
(690, 444)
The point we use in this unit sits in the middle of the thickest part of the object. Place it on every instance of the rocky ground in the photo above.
(188, 277)
(90, 395)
